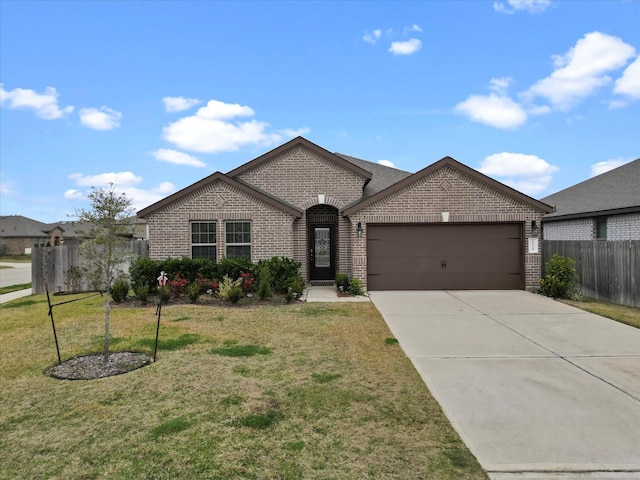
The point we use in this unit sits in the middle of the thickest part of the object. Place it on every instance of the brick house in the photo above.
(606, 207)
(444, 227)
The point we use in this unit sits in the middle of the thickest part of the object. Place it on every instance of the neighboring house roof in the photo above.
(382, 176)
(451, 162)
(218, 176)
(17, 226)
(332, 157)
(616, 191)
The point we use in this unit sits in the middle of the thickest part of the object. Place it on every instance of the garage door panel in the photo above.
(453, 256)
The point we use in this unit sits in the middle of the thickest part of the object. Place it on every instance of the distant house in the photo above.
(19, 234)
(597, 224)
(606, 207)
(446, 226)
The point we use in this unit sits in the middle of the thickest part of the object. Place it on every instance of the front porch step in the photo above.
(321, 283)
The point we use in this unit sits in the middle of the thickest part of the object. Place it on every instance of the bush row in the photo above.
(275, 275)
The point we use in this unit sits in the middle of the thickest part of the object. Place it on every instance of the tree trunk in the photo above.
(106, 328)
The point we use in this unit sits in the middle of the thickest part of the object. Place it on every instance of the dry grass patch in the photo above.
(317, 394)
(619, 313)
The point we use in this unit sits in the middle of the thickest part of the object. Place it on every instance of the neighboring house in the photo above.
(19, 234)
(444, 227)
(606, 207)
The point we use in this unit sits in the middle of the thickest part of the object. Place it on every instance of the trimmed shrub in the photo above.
(281, 270)
(231, 290)
(234, 267)
(342, 282)
(145, 271)
(296, 286)
(264, 282)
(560, 277)
(141, 290)
(120, 289)
(356, 287)
(193, 292)
(164, 293)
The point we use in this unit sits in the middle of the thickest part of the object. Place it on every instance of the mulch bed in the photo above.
(89, 367)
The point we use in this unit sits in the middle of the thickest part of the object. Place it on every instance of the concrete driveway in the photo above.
(537, 389)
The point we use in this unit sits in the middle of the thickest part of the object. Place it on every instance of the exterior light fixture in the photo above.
(534, 227)
(359, 230)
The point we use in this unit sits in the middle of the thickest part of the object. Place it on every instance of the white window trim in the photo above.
(229, 244)
(204, 244)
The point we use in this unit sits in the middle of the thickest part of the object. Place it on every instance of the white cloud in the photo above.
(124, 182)
(372, 37)
(494, 110)
(73, 194)
(500, 85)
(178, 104)
(290, 133)
(120, 179)
(629, 82)
(526, 173)
(531, 6)
(212, 129)
(602, 167)
(45, 104)
(412, 28)
(407, 47)
(103, 119)
(177, 158)
(582, 70)
(387, 163)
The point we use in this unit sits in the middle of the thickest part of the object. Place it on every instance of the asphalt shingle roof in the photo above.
(616, 189)
(19, 226)
(382, 176)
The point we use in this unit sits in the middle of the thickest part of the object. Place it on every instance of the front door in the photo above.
(322, 255)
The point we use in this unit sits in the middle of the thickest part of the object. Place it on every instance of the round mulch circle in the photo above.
(89, 367)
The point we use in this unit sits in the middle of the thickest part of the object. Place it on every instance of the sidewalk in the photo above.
(7, 297)
(328, 294)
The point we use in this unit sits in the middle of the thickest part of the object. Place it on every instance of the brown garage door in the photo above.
(445, 257)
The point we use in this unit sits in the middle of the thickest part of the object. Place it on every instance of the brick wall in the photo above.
(619, 227)
(623, 227)
(272, 232)
(574, 229)
(298, 176)
(447, 190)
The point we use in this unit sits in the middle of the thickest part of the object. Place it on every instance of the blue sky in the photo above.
(154, 96)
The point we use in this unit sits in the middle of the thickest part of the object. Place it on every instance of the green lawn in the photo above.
(307, 391)
(16, 258)
(14, 288)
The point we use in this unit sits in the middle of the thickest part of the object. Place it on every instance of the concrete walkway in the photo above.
(536, 389)
(328, 294)
(7, 297)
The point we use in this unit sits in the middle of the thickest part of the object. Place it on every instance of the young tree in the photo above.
(102, 252)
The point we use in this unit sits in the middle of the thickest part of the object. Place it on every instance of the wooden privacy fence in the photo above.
(608, 270)
(61, 266)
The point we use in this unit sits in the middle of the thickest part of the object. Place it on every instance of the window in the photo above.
(203, 240)
(238, 239)
(601, 228)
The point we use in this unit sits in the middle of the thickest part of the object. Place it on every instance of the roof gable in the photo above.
(615, 191)
(440, 164)
(300, 141)
(218, 176)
